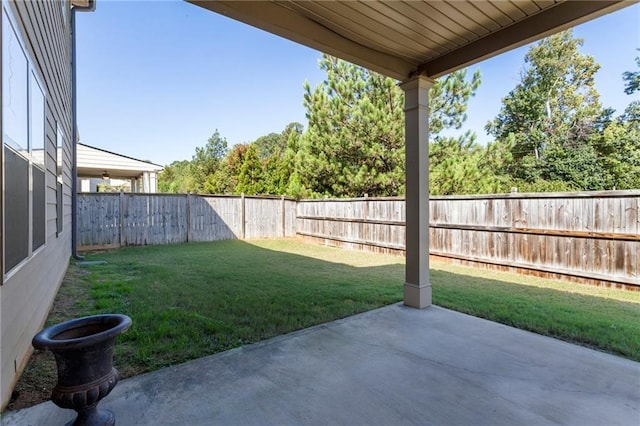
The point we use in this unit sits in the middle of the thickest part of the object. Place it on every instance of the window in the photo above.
(59, 147)
(23, 140)
(59, 181)
(14, 89)
(16, 202)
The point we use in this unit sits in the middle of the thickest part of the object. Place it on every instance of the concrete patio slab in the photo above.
(390, 366)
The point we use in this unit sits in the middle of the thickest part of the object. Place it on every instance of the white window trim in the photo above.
(60, 142)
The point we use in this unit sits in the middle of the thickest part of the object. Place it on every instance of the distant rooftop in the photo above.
(94, 162)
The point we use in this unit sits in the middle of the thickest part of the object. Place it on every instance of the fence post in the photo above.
(188, 218)
(242, 215)
(121, 227)
(324, 219)
(284, 223)
(365, 215)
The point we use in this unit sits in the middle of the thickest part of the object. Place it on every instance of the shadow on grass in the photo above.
(193, 300)
(190, 300)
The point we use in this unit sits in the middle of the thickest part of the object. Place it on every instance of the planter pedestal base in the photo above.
(94, 417)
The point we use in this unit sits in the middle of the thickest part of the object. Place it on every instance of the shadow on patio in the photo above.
(390, 366)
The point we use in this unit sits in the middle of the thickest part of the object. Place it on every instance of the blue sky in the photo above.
(157, 78)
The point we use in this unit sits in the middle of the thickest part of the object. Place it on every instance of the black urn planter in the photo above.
(83, 349)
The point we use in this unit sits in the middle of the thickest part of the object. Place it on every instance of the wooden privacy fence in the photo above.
(593, 237)
(589, 236)
(124, 219)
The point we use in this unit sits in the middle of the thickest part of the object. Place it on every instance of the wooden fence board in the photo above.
(142, 219)
(215, 218)
(98, 220)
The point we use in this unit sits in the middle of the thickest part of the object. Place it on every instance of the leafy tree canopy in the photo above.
(548, 120)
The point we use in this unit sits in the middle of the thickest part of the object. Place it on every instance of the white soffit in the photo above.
(404, 38)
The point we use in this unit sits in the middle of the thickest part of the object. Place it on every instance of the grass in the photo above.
(192, 300)
(600, 318)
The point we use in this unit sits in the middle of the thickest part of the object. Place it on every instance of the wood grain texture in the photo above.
(586, 235)
(128, 219)
(582, 236)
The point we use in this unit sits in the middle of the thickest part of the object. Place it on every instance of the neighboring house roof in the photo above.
(404, 38)
(94, 162)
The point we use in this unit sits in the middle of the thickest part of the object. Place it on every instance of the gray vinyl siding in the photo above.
(28, 291)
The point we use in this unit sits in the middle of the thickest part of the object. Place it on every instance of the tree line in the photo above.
(551, 134)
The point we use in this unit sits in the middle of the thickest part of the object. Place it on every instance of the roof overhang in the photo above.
(96, 162)
(84, 5)
(405, 38)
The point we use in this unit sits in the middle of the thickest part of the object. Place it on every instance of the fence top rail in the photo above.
(255, 197)
(259, 197)
(165, 194)
(346, 200)
(115, 194)
(631, 193)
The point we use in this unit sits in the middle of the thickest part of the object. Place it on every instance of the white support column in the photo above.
(85, 184)
(417, 287)
(153, 182)
(145, 183)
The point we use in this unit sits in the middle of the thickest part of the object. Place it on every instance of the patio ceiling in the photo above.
(404, 38)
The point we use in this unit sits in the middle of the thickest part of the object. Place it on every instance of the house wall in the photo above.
(28, 290)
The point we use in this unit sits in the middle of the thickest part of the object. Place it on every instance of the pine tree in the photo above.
(355, 141)
(206, 161)
(461, 166)
(251, 178)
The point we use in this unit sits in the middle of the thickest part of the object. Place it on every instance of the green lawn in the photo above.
(600, 318)
(191, 300)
